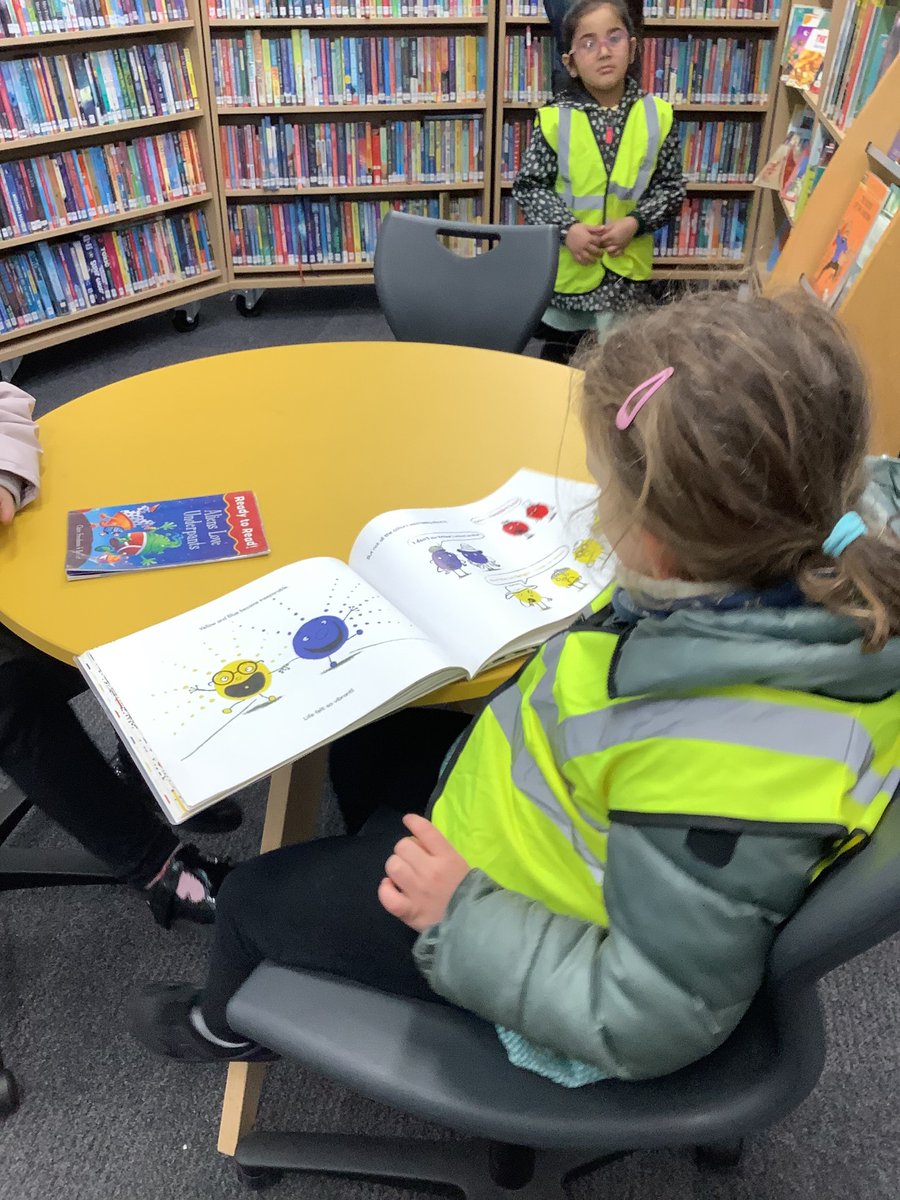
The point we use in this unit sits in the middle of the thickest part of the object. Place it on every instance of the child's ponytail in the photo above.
(862, 582)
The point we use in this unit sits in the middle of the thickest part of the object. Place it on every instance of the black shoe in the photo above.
(159, 1016)
(167, 906)
(221, 818)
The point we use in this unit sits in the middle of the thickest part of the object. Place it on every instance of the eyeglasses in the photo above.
(592, 44)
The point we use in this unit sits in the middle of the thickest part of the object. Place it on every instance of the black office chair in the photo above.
(30, 868)
(532, 1135)
(494, 300)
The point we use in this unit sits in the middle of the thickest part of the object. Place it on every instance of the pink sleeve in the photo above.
(19, 446)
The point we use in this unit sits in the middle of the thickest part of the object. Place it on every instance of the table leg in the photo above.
(292, 811)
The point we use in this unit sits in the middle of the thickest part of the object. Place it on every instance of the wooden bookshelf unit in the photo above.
(35, 151)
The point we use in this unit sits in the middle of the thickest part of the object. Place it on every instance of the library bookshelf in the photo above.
(143, 236)
(870, 308)
(338, 157)
(827, 127)
(522, 21)
(304, 127)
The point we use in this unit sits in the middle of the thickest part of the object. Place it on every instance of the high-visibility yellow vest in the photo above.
(529, 794)
(594, 198)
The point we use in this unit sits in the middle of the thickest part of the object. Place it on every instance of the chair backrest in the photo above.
(851, 908)
(493, 300)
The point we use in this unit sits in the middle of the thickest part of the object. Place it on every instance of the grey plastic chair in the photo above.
(531, 1135)
(494, 300)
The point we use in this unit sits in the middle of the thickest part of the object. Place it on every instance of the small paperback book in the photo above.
(120, 538)
(847, 240)
(220, 696)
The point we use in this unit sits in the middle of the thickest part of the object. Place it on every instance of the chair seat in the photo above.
(448, 1066)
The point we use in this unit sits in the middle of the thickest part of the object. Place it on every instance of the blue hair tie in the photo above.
(847, 530)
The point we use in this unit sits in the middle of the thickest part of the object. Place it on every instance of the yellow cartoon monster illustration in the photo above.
(567, 577)
(239, 681)
(529, 597)
(587, 551)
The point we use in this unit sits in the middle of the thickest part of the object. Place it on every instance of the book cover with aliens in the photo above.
(121, 538)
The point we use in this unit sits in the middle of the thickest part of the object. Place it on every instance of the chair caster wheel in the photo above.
(9, 1093)
(719, 1156)
(245, 309)
(257, 1179)
(184, 323)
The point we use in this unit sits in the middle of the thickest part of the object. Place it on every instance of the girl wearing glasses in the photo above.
(604, 165)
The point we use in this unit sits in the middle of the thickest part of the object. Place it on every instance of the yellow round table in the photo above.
(327, 436)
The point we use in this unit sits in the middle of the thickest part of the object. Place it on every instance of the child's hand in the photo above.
(421, 875)
(615, 236)
(7, 506)
(584, 242)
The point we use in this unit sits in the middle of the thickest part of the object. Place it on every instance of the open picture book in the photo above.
(213, 699)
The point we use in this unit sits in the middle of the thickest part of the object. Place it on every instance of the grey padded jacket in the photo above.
(692, 913)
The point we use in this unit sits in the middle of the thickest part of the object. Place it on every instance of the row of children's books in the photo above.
(54, 279)
(528, 68)
(31, 18)
(872, 208)
(795, 167)
(868, 41)
(719, 151)
(304, 233)
(276, 153)
(715, 10)
(302, 68)
(708, 70)
(55, 190)
(705, 228)
(52, 93)
(371, 10)
(712, 151)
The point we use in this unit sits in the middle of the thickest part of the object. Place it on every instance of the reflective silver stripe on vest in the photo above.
(873, 782)
(564, 166)
(647, 167)
(645, 170)
(526, 775)
(784, 728)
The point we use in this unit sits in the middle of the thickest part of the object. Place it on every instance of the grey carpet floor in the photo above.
(102, 1120)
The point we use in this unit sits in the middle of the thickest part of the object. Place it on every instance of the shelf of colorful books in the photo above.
(348, 111)
(364, 189)
(373, 23)
(679, 106)
(48, 41)
(25, 146)
(749, 24)
(720, 262)
(41, 334)
(60, 95)
(103, 222)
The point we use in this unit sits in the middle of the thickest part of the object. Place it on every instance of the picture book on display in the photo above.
(886, 214)
(805, 46)
(851, 233)
(220, 696)
(120, 538)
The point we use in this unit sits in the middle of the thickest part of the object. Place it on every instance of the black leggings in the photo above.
(53, 762)
(315, 905)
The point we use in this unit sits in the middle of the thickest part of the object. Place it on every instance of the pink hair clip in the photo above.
(636, 400)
